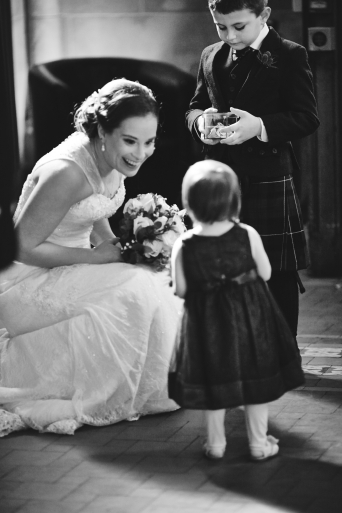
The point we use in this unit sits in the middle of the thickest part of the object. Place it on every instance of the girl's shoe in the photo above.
(270, 450)
(212, 452)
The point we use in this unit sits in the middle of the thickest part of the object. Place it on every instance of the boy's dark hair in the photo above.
(211, 191)
(228, 6)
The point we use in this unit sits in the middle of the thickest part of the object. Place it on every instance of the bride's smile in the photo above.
(129, 145)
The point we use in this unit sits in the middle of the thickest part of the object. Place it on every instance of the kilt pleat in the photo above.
(272, 207)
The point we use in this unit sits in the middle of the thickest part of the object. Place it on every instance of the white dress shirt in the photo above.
(256, 46)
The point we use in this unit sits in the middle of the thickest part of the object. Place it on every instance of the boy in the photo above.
(267, 82)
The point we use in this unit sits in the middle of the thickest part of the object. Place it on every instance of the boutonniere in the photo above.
(267, 59)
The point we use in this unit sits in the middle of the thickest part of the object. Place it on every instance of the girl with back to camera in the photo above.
(87, 338)
(235, 348)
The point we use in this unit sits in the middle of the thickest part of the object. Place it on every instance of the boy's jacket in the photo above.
(278, 89)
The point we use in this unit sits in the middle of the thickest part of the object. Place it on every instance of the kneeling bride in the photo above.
(87, 337)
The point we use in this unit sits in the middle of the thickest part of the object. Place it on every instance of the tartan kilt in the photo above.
(271, 206)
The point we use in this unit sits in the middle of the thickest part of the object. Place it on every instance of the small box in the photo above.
(321, 39)
(213, 121)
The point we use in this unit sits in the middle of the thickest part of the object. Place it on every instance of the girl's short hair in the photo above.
(228, 6)
(116, 101)
(211, 191)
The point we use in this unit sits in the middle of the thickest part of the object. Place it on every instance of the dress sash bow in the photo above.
(225, 281)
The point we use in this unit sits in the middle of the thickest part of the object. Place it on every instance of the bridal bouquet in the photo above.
(149, 230)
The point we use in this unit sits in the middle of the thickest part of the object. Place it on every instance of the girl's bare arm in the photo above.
(178, 277)
(258, 252)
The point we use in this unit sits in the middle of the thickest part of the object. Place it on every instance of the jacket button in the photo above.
(232, 89)
(233, 76)
(231, 102)
(262, 152)
(275, 150)
(249, 149)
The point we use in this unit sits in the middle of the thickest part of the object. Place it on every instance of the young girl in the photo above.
(235, 348)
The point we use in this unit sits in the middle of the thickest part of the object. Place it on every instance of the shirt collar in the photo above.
(256, 44)
(263, 33)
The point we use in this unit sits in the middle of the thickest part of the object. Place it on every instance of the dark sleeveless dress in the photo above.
(234, 345)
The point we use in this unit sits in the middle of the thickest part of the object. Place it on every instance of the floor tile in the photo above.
(35, 474)
(34, 458)
(43, 491)
(117, 505)
(48, 506)
(11, 505)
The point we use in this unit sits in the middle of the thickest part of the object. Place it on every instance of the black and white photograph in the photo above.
(171, 256)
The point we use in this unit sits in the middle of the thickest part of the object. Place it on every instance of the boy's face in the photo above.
(240, 29)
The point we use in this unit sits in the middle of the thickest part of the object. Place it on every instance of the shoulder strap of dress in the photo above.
(73, 148)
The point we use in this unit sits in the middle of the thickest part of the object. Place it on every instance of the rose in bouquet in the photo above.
(149, 230)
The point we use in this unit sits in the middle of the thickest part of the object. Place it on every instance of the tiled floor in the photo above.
(155, 465)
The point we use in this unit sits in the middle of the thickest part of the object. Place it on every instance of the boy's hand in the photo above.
(247, 127)
(200, 127)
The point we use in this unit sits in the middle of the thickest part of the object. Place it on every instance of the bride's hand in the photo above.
(116, 242)
(108, 252)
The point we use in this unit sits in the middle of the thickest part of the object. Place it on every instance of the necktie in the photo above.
(238, 54)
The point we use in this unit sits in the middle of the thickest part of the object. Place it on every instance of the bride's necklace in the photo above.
(111, 184)
(110, 181)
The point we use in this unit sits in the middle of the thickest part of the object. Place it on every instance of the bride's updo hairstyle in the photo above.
(116, 101)
(211, 192)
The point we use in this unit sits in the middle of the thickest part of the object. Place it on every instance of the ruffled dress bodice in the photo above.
(75, 228)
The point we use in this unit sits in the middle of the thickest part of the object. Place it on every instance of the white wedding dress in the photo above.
(83, 344)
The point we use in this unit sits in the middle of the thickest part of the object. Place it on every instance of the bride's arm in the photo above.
(60, 185)
(101, 232)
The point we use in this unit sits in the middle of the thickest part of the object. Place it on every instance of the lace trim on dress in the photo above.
(29, 184)
(120, 413)
(44, 297)
(10, 422)
(62, 427)
(104, 206)
(73, 149)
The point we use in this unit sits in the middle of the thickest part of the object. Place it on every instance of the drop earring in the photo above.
(103, 147)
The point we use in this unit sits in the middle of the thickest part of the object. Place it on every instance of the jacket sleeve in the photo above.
(199, 102)
(298, 116)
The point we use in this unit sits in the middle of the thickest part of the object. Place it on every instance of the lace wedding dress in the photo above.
(83, 344)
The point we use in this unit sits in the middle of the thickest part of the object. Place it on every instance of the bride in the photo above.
(87, 338)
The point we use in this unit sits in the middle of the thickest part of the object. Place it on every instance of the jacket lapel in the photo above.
(259, 71)
(214, 91)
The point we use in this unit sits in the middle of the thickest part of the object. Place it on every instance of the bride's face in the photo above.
(130, 144)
